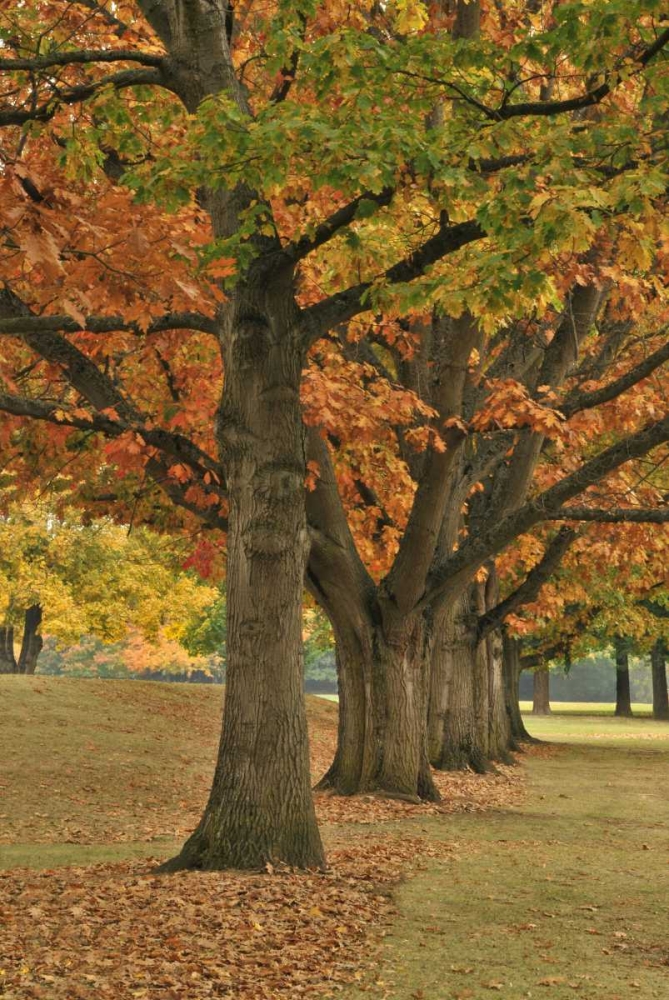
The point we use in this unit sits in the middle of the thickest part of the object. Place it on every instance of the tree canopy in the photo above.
(373, 290)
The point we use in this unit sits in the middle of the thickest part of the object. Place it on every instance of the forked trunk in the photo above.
(658, 663)
(31, 644)
(260, 809)
(512, 671)
(623, 690)
(8, 664)
(541, 704)
(382, 714)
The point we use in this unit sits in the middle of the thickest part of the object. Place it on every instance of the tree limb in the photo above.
(343, 306)
(19, 325)
(577, 401)
(546, 108)
(530, 587)
(616, 515)
(82, 57)
(338, 220)
(81, 92)
(488, 542)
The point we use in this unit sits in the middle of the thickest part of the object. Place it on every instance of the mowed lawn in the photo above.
(550, 879)
(594, 708)
(566, 895)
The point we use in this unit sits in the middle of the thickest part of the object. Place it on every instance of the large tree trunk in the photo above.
(623, 692)
(382, 713)
(31, 644)
(512, 671)
(8, 664)
(499, 728)
(468, 724)
(459, 711)
(260, 809)
(405, 769)
(541, 704)
(659, 672)
(360, 676)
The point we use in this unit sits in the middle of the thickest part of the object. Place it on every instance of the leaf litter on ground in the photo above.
(121, 931)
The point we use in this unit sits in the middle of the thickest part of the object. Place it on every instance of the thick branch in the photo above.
(343, 306)
(338, 220)
(176, 493)
(577, 401)
(82, 57)
(529, 589)
(81, 92)
(616, 515)
(487, 543)
(19, 325)
(169, 443)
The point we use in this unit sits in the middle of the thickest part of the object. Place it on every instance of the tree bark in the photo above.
(623, 693)
(8, 664)
(405, 769)
(459, 711)
(512, 671)
(659, 672)
(355, 767)
(499, 728)
(260, 809)
(541, 704)
(31, 644)
(382, 740)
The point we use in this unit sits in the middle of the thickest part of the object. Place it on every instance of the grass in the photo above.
(105, 770)
(595, 708)
(591, 708)
(564, 895)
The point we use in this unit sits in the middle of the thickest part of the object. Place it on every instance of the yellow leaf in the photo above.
(411, 15)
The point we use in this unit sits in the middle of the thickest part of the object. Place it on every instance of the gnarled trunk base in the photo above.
(382, 715)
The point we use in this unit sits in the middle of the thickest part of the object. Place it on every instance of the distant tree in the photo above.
(659, 674)
(541, 704)
(72, 580)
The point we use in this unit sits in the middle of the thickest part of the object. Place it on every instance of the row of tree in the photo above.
(651, 685)
(372, 296)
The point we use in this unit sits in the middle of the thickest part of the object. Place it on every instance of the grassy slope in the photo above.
(83, 759)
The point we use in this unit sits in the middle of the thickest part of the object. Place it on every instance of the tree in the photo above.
(658, 661)
(623, 695)
(317, 174)
(96, 579)
(541, 704)
(604, 582)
